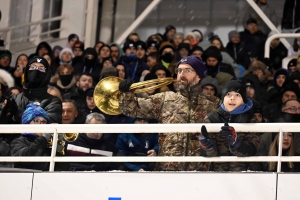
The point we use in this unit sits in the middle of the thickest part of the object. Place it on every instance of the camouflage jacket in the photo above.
(170, 107)
(249, 146)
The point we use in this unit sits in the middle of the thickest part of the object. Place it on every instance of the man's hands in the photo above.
(124, 85)
(151, 153)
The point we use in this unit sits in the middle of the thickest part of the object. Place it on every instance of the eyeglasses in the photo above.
(186, 71)
(36, 121)
(40, 68)
(293, 108)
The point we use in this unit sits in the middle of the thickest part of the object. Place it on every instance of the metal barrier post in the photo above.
(53, 151)
(279, 150)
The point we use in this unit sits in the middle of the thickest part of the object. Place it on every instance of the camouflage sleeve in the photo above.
(249, 146)
(149, 108)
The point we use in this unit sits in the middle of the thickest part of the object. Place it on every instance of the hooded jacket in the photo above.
(51, 104)
(169, 107)
(43, 44)
(291, 14)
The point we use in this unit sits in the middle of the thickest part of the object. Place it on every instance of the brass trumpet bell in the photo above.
(106, 93)
(70, 137)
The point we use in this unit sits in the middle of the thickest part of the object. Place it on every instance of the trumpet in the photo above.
(106, 93)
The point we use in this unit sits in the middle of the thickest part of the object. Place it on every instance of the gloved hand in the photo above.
(233, 140)
(8, 108)
(124, 86)
(205, 142)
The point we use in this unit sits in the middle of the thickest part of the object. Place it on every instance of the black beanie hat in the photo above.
(234, 86)
(79, 45)
(128, 44)
(292, 62)
(251, 20)
(291, 86)
(39, 60)
(184, 46)
(152, 43)
(150, 76)
(212, 51)
(197, 48)
(141, 45)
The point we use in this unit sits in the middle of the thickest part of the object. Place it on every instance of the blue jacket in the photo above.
(137, 145)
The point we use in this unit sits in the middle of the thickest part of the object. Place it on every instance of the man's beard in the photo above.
(184, 84)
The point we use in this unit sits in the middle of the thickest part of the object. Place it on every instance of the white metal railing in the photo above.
(9, 30)
(150, 128)
(275, 36)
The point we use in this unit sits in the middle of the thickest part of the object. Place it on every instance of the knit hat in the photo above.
(71, 36)
(293, 62)
(212, 51)
(170, 27)
(196, 63)
(79, 44)
(141, 45)
(89, 92)
(64, 50)
(128, 44)
(291, 86)
(39, 60)
(192, 34)
(4, 53)
(234, 86)
(280, 71)
(251, 20)
(198, 33)
(161, 67)
(57, 48)
(33, 111)
(210, 81)
(151, 43)
(251, 80)
(231, 34)
(165, 45)
(197, 48)
(184, 46)
(223, 78)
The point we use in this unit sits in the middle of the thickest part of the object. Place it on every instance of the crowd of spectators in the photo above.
(56, 85)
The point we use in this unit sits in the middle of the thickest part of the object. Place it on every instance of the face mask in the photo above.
(286, 117)
(89, 62)
(66, 79)
(168, 57)
(35, 78)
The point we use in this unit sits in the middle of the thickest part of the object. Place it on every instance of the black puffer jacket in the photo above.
(239, 53)
(34, 146)
(291, 14)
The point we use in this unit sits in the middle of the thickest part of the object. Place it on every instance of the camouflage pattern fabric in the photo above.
(168, 108)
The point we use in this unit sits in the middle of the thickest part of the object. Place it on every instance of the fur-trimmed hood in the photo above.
(6, 78)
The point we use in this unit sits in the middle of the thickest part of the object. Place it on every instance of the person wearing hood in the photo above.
(213, 60)
(42, 49)
(90, 65)
(115, 52)
(253, 39)
(169, 33)
(183, 51)
(103, 54)
(138, 144)
(290, 90)
(166, 56)
(236, 108)
(7, 78)
(277, 53)
(35, 144)
(209, 86)
(93, 144)
(134, 66)
(274, 89)
(37, 77)
(226, 58)
(165, 108)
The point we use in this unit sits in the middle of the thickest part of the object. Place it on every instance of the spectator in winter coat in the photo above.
(237, 50)
(210, 86)
(267, 9)
(193, 107)
(183, 51)
(19, 69)
(254, 39)
(236, 108)
(70, 114)
(37, 77)
(93, 144)
(213, 58)
(177, 39)
(42, 49)
(277, 53)
(65, 56)
(197, 51)
(138, 144)
(35, 144)
(115, 52)
(72, 39)
(292, 65)
(169, 33)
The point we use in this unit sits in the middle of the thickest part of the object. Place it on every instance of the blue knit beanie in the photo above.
(33, 111)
